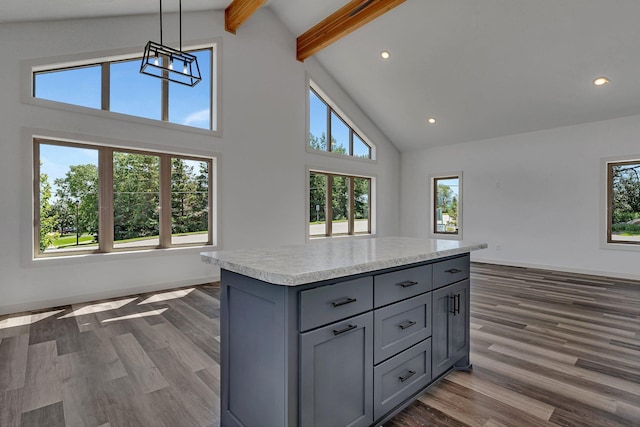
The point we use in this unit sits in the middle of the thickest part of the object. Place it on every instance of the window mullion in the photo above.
(351, 198)
(164, 109)
(329, 207)
(165, 201)
(106, 88)
(105, 200)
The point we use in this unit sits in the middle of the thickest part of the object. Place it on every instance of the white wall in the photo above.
(535, 198)
(262, 157)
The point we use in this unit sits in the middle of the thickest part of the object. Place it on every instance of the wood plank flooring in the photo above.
(547, 349)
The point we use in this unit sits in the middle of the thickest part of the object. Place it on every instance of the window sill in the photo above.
(66, 260)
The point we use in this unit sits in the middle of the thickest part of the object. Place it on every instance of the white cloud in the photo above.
(201, 116)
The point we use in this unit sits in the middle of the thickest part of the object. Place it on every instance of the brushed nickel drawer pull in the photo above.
(407, 324)
(453, 271)
(342, 331)
(343, 302)
(407, 284)
(406, 377)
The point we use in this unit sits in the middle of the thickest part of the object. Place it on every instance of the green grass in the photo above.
(87, 239)
(70, 240)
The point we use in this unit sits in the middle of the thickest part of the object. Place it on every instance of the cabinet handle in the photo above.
(452, 299)
(343, 302)
(457, 304)
(406, 377)
(342, 331)
(407, 324)
(407, 284)
(453, 271)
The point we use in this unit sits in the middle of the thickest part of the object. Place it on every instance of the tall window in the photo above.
(119, 87)
(623, 202)
(446, 205)
(339, 205)
(101, 199)
(330, 132)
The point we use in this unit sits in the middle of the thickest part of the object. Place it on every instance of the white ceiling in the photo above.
(482, 68)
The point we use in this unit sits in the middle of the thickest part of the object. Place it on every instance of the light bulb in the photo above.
(431, 120)
(155, 61)
(601, 81)
(385, 54)
(185, 70)
(171, 64)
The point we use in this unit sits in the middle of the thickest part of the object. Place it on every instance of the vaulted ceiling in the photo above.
(481, 68)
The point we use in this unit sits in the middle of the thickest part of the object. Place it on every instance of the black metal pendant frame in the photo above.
(170, 64)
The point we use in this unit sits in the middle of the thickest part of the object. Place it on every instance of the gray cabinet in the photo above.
(450, 328)
(336, 380)
(350, 351)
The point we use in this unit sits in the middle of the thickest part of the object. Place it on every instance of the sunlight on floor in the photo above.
(136, 315)
(165, 296)
(26, 319)
(99, 307)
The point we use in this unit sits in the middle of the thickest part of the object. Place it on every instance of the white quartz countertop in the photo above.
(334, 258)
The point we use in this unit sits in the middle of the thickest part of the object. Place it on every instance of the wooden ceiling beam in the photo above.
(239, 11)
(344, 21)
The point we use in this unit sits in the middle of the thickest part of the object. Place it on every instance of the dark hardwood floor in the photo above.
(547, 349)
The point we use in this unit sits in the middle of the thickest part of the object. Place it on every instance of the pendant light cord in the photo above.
(161, 22)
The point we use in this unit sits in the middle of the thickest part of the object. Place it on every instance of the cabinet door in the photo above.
(459, 322)
(336, 374)
(450, 327)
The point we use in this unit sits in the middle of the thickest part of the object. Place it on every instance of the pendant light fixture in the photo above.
(170, 64)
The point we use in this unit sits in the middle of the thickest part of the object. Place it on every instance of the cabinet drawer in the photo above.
(327, 304)
(451, 271)
(401, 325)
(399, 285)
(400, 377)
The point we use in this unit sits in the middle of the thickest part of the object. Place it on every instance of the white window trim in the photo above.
(309, 83)
(30, 66)
(28, 172)
(431, 216)
(372, 203)
(604, 204)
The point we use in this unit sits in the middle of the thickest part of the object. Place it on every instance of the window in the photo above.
(446, 212)
(95, 199)
(119, 87)
(328, 131)
(623, 202)
(339, 205)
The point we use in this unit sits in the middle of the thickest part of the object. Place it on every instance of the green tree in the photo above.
(48, 217)
(317, 196)
(626, 192)
(136, 196)
(77, 193)
(189, 197)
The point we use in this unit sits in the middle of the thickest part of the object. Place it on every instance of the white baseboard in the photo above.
(556, 268)
(116, 293)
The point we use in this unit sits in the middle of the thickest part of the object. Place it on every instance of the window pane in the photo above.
(317, 122)
(362, 190)
(136, 200)
(339, 135)
(360, 148)
(189, 201)
(134, 93)
(340, 205)
(191, 106)
(68, 199)
(446, 205)
(78, 86)
(317, 204)
(625, 199)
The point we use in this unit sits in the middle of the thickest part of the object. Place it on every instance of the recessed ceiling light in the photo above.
(385, 54)
(601, 81)
(431, 120)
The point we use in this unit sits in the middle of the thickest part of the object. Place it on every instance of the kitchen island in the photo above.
(339, 331)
